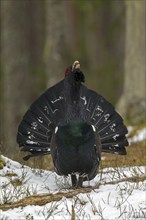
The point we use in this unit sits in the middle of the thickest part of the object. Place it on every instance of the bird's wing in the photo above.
(97, 111)
(39, 122)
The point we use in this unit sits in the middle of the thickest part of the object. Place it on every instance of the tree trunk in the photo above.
(15, 68)
(21, 55)
(55, 40)
(132, 102)
(103, 39)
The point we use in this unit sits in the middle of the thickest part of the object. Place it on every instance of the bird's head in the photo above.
(75, 72)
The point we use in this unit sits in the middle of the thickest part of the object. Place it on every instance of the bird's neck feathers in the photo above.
(73, 81)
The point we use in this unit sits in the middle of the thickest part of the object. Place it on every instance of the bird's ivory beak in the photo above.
(76, 65)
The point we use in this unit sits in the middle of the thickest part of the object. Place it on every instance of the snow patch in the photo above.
(139, 136)
(124, 200)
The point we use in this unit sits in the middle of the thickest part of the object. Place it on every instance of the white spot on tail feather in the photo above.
(94, 129)
(56, 129)
(34, 125)
(106, 116)
(99, 111)
(112, 127)
(31, 136)
(31, 142)
(58, 99)
(46, 109)
(40, 119)
(84, 99)
(115, 136)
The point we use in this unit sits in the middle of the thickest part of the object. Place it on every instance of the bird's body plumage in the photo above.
(74, 124)
(76, 148)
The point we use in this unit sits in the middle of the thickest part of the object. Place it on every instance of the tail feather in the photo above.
(27, 131)
(33, 140)
(43, 109)
(111, 123)
(103, 112)
(115, 142)
(115, 150)
(114, 135)
(117, 147)
(38, 124)
(108, 123)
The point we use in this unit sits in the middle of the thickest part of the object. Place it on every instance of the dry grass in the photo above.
(40, 162)
(2, 162)
(136, 156)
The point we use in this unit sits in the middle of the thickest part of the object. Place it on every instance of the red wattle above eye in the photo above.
(67, 71)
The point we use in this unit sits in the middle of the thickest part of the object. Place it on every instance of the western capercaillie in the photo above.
(74, 124)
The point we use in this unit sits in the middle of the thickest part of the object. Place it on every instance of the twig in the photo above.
(130, 179)
(73, 213)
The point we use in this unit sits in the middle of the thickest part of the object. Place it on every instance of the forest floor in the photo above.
(117, 192)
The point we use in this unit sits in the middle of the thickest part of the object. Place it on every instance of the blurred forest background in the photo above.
(39, 38)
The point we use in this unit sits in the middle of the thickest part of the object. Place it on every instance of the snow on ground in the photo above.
(124, 200)
(139, 136)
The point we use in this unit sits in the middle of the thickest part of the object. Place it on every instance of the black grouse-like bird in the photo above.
(74, 124)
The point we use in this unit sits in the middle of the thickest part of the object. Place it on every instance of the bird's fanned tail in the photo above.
(50, 109)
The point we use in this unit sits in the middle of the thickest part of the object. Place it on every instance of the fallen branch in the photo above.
(129, 179)
(43, 199)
